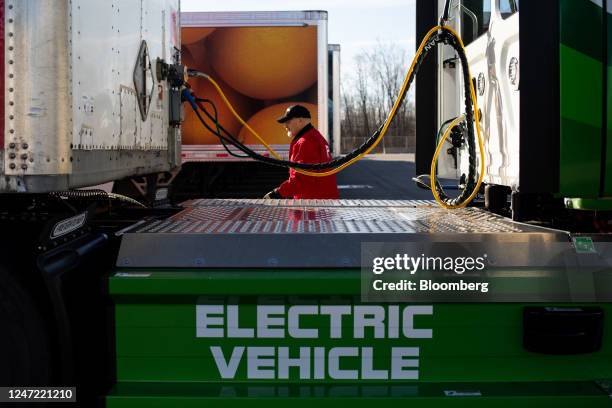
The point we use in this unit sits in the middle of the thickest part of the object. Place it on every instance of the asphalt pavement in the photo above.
(381, 176)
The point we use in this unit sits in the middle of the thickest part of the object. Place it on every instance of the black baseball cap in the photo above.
(294, 111)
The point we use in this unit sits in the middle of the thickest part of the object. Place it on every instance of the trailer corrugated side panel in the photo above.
(71, 111)
(334, 93)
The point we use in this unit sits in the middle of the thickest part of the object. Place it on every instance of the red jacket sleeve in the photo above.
(306, 152)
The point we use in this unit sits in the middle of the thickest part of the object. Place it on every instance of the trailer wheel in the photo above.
(24, 348)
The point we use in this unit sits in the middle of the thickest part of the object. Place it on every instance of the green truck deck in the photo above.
(299, 334)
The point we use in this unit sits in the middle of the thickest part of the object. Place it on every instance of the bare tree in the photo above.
(346, 125)
(363, 93)
(371, 93)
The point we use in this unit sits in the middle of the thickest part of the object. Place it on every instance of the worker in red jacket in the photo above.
(307, 146)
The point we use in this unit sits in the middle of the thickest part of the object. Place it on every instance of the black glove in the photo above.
(273, 194)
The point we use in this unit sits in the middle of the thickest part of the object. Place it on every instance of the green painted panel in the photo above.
(189, 286)
(242, 281)
(581, 27)
(586, 204)
(608, 169)
(469, 368)
(581, 87)
(580, 159)
(430, 395)
(185, 344)
(581, 98)
(158, 340)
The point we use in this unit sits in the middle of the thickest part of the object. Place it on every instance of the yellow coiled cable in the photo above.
(385, 127)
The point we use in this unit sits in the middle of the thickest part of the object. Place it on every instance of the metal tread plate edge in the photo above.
(341, 250)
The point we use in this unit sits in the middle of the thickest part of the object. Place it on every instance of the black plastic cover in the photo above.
(562, 330)
(176, 107)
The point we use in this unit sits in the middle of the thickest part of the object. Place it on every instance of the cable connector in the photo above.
(457, 134)
(188, 97)
(175, 74)
(194, 73)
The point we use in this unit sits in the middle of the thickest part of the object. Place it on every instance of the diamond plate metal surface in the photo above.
(311, 233)
(235, 202)
(328, 217)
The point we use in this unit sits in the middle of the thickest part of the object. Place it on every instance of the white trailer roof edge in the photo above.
(254, 18)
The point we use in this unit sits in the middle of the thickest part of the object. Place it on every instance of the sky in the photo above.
(354, 24)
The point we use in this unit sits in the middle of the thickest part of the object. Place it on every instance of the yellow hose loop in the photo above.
(237, 116)
(386, 127)
(434, 162)
(447, 132)
(360, 156)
